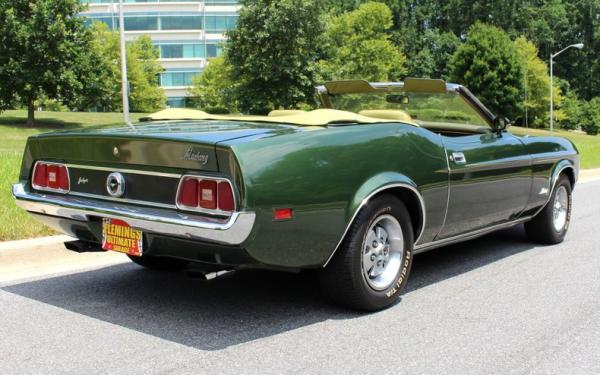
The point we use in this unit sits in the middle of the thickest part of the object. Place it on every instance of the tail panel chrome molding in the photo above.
(230, 231)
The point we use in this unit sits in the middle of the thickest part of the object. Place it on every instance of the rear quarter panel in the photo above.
(321, 174)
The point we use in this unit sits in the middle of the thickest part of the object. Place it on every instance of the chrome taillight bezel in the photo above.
(217, 211)
(46, 188)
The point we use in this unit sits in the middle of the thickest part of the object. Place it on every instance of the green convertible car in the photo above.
(353, 190)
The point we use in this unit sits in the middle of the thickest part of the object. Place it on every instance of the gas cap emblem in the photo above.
(115, 185)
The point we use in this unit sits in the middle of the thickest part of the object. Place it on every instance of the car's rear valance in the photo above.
(318, 117)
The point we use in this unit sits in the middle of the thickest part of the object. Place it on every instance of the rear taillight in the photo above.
(50, 177)
(205, 194)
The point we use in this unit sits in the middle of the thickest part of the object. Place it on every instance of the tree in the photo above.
(590, 116)
(44, 52)
(489, 65)
(573, 109)
(431, 61)
(358, 46)
(213, 89)
(536, 95)
(143, 69)
(273, 52)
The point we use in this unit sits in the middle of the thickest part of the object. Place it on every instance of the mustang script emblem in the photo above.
(82, 180)
(195, 155)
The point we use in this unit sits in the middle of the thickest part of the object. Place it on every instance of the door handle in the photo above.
(458, 158)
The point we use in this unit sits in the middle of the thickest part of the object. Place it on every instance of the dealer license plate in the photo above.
(117, 235)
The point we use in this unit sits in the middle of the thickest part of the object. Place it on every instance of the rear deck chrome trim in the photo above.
(229, 231)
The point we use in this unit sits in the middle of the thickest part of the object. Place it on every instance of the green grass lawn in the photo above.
(588, 145)
(14, 222)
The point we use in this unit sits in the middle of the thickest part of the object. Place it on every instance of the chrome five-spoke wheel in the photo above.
(372, 265)
(383, 249)
(560, 209)
(550, 225)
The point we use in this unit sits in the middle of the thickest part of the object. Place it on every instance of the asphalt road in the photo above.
(498, 304)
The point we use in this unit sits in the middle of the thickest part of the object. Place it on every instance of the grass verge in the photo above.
(588, 145)
(14, 222)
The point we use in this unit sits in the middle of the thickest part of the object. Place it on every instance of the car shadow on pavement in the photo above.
(240, 307)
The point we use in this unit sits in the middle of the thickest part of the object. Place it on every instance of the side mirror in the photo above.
(501, 123)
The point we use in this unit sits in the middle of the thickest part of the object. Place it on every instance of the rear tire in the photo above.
(372, 264)
(159, 263)
(551, 224)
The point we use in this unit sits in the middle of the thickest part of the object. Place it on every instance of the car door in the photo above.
(490, 177)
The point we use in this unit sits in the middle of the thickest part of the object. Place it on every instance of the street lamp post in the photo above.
(124, 83)
(552, 56)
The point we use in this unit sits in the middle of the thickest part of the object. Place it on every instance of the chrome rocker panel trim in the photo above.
(230, 231)
(468, 236)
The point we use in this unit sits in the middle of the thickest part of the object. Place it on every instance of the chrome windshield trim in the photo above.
(230, 231)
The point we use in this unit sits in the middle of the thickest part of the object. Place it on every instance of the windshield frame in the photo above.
(463, 92)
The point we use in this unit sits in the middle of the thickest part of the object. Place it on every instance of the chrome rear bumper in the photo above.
(230, 231)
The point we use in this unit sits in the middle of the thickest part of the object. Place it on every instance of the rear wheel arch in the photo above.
(403, 189)
(412, 200)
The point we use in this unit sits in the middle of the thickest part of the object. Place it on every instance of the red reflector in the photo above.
(282, 214)
(188, 193)
(226, 202)
(52, 176)
(207, 191)
(39, 175)
(63, 178)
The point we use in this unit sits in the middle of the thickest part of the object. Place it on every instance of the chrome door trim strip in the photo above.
(366, 200)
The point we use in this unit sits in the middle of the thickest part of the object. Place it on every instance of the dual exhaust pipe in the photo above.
(195, 270)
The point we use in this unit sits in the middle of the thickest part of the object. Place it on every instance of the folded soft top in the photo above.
(318, 117)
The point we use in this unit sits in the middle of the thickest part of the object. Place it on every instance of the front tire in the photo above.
(159, 263)
(373, 262)
(550, 225)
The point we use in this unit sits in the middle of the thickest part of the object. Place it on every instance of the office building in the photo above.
(187, 33)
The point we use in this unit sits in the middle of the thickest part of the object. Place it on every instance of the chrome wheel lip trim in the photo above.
(364, 202)
(389, 268)
(560, 209)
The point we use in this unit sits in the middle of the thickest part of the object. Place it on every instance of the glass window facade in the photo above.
(177, 78)
(220, 23)
(151, 22)
(179, 102)
(208, 2)
(189, 50)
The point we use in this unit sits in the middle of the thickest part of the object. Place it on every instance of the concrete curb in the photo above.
(33, 243)
(586, 175)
